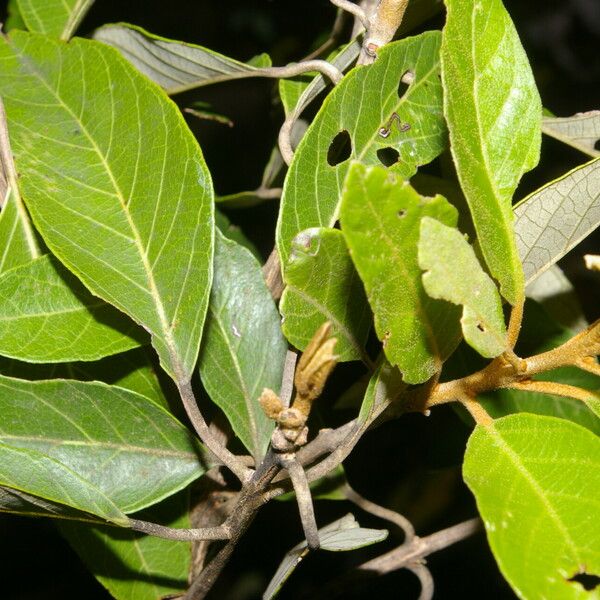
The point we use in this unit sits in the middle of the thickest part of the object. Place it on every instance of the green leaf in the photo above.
(380, 218)
(175, 66)
(243, 350)
(536, 482)
(555, 218)
(581, 131)
(341, 535)
(46, 315)
(234, 233)
(37, 474)
(453, 273)
(385, 385)
(355, 112)
(129, 449)
(57, 18)
(540, 333)
(494, 114)
(322, 285)
(117, 187)
(133, 566)
(14, 20)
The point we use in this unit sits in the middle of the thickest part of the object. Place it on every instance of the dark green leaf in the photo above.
(380, 217)
(128, 448)
(243, 350)
(536, 482)
(117, 187)
(322, 285)
(494, 116)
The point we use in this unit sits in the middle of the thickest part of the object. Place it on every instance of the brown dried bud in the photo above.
(271, 404)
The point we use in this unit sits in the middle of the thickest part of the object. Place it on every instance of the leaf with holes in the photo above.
(494, 116)
(243, 350)
(175, 66)
(380, 217)
(129, 449)
(322, 285)
(341, 535)
(536, 482)
(371, 116)
(581, 131)
(555, 218)
(131, 565)
(46, 315)
(58, 18)
(453, 273)
(117, 187)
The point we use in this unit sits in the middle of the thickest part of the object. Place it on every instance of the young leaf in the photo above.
(129, 449)
(494, 114)
(380, 217)
(555, 218)
(322, 285)
(536, 482)
(243, 350)
(384, 386)
(175, 66)
(46, 315)
(14, 20)
(117, 187)
(341, 535)
(581, 131)
(57, 18)
(350, 124)
(453, 273)
(40, 475)
(131, 565)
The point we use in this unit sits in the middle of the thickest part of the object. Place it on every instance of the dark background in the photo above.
(412, 465)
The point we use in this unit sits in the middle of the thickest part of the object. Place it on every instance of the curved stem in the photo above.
(222, 532)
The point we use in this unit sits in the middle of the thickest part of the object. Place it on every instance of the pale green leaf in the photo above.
(46, 315)
(385, 385)
(175, 66)
(341, 535)
(57, 18)
(380, 218)
(555, 218)
(357, 110)
(453, 273)
(131, 565)
(323, 285)
(117, 187)
(581, 131)
(130, 449)
(536, 482)
(494, 116)
(243, 350)
(38, 474)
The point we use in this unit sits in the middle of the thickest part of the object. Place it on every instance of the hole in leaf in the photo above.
(402, 212)
(589, 582)
(405, 82)
(481, 327)
(340, 149)
(388, 156)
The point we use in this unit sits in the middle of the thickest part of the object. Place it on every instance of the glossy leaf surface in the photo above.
(555, 218)
(129, 449)
(46, 315)
(131, 565)
(57, 18)
(536, 482)
(323, 285)
(348, 127)
(494, 114)
(175, 66)
(380, 218)
(453, 273)
(243, 349)
(117, 187)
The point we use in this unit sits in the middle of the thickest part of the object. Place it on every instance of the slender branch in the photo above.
(353, 9)
(589, 364)
(555, 389)
(383, 513)
(477, 411)
(332, 40)
(515, 322)
(426, 579)
(272, 274)
(231, 461)
(287, 381)
(304, 499)
(221, 532)
(293, 70)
